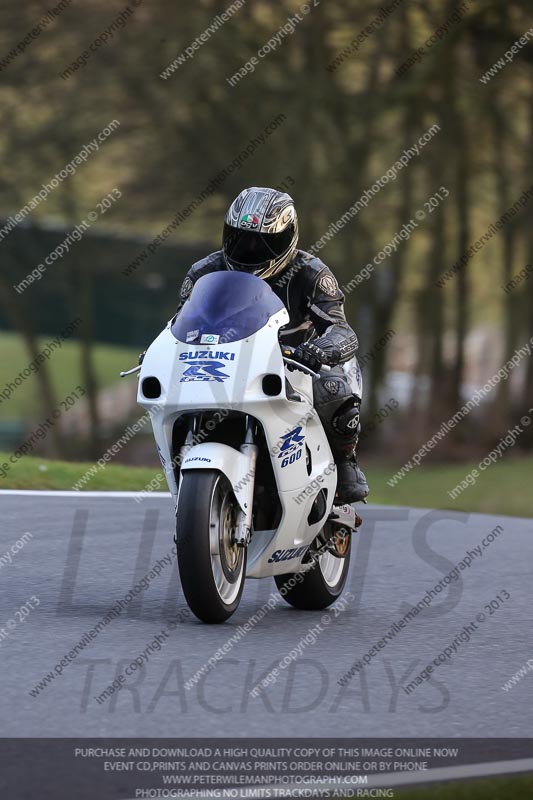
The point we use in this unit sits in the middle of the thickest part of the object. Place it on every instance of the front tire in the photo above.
(321, 585)
(212, 568)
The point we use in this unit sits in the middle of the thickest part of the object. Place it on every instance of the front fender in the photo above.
(236, 466)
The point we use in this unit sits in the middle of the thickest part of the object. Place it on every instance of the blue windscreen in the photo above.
(228, 304)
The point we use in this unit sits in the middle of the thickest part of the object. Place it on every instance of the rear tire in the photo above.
(212, 569)
(320, 586)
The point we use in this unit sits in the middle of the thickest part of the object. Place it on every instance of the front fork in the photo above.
(244, 523)
(243, 532)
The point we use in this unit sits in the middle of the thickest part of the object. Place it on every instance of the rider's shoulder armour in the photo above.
(211, 263)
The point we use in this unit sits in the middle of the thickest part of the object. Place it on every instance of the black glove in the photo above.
(314, 354)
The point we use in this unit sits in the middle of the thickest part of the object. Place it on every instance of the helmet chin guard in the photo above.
(260, 232)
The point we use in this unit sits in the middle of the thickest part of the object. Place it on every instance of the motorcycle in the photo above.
(244, 452)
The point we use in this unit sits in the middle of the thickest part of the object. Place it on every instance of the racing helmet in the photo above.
(260, 232)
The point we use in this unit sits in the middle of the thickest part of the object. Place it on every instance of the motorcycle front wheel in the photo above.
(212, 568)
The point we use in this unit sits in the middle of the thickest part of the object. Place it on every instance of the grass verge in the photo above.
(64, 366)
(38, 473)
(502, 489)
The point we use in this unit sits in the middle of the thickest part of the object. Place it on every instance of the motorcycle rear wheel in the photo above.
(321, 585)
(212, 568)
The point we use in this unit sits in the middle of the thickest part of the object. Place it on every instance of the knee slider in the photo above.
(338, 408)
(330, 392)
(346, 421)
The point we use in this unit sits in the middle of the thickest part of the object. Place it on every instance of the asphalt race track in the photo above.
(87, 552)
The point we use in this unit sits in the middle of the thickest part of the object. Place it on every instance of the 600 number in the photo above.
(292, 458)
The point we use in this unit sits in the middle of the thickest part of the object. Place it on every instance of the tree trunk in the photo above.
(387, 307)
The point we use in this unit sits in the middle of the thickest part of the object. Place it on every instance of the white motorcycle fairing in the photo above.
(217, 374)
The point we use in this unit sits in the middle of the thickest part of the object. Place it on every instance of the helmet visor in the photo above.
(250, 249)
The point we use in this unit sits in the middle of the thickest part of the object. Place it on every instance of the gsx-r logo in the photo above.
(291, 442)
(291, 449)
(204, 371)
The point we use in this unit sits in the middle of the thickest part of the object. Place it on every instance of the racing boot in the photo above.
(351, 482)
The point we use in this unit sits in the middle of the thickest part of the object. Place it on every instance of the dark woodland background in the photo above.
(344, 127)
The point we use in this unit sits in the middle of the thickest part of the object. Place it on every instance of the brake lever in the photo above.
(130, 371)
(300, 367)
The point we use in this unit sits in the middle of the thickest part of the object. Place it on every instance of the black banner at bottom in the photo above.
(120, 769)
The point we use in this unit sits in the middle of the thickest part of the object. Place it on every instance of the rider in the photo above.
(260, 237)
